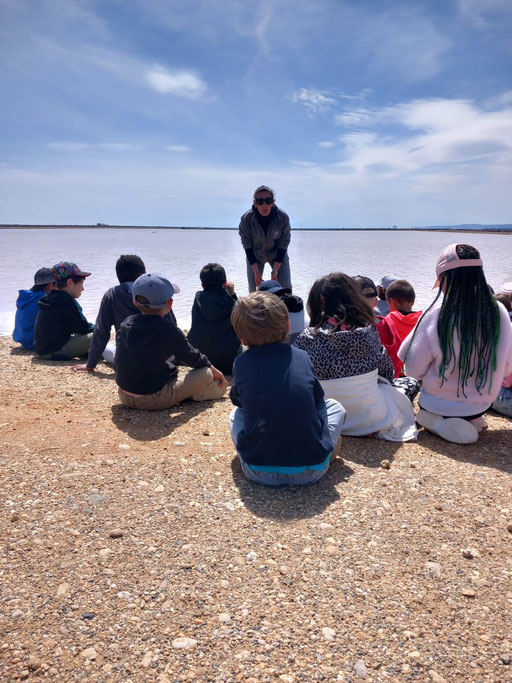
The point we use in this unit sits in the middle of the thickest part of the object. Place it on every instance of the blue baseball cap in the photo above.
(155, 288)
(273, 287)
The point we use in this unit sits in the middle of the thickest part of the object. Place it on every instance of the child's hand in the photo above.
(230, 287)
(218, 377)
(81, 366)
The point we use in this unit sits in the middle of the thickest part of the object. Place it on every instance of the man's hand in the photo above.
(230, 287)
(82, 366)
(275, 270)
(258, 279)
(218, 377)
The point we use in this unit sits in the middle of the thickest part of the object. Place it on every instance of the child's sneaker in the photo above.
(480, 423)
(454, 429)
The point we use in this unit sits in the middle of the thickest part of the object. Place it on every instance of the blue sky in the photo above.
(159, 112)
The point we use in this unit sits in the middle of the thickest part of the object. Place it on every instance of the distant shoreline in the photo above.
(505, 229)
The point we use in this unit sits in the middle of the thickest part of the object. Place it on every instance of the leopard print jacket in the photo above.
(345, 353)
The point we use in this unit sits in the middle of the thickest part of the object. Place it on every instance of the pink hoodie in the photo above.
(424, 360)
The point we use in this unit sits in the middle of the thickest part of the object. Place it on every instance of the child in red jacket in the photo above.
(401, 296)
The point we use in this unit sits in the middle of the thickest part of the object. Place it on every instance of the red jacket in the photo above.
(391, 342)
(403, 323)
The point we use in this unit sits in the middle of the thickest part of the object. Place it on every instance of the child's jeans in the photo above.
(335, 418)
(503, 404)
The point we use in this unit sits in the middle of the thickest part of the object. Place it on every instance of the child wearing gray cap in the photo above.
(146, 346)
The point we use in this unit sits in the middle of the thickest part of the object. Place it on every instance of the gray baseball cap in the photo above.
(156, 288)
(42, 278)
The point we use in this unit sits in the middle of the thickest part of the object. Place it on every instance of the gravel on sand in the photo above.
(133, 549)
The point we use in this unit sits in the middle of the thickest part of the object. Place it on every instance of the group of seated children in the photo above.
(352, 371)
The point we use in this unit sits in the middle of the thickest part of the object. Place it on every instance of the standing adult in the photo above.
(265, 234)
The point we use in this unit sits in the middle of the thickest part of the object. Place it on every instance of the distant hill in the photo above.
(465, 227)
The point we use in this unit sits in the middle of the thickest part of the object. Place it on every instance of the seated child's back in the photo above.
(401, 296)
(27, 307)
(211, 331)
(147, 344)
(116, 305)
(293, 303)
(282, 424)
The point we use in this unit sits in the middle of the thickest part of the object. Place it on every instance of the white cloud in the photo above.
(480, 12)
(357, 117)
(177, 148)
(81, 146)
(403, 43)
(314, 100)
(326, 144)
(500, 101)
(180, 83)
(263, 23)
(430, 134)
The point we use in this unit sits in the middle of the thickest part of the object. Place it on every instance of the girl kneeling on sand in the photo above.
(351, 363)
(460, 350)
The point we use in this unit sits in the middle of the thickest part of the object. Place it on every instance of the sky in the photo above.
(159, 112)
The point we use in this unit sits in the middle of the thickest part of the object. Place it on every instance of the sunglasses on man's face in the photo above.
(264, 200)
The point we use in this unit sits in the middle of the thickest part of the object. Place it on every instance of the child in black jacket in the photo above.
(211, 331)
(61, 331)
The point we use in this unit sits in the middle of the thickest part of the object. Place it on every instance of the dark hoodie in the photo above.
(60, 315)
(26, 314)
(211, 331)
(295, 308)
(144, 346)
(116, 305)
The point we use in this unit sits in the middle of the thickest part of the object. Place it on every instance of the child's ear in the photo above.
(169, 303)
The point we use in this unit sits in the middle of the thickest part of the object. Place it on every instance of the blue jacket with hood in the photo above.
(26, 314)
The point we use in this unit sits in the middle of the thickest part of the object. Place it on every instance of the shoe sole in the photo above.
(453, 429)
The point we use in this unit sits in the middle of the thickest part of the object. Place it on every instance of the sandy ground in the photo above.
(132, 548)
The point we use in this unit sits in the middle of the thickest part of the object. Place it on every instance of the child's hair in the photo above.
(504, 299)
(212, 275)
(129, 267)
(63, 281)
(366, 283)
(144, 306)
(337, 296)
(260, 318)
(401, 290)
(470, 310)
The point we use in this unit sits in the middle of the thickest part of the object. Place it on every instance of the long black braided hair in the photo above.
(470, 311)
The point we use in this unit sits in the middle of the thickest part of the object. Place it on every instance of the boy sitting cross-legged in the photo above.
(283, 429)
(61, 331)
(116, 305)
(146, 377)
